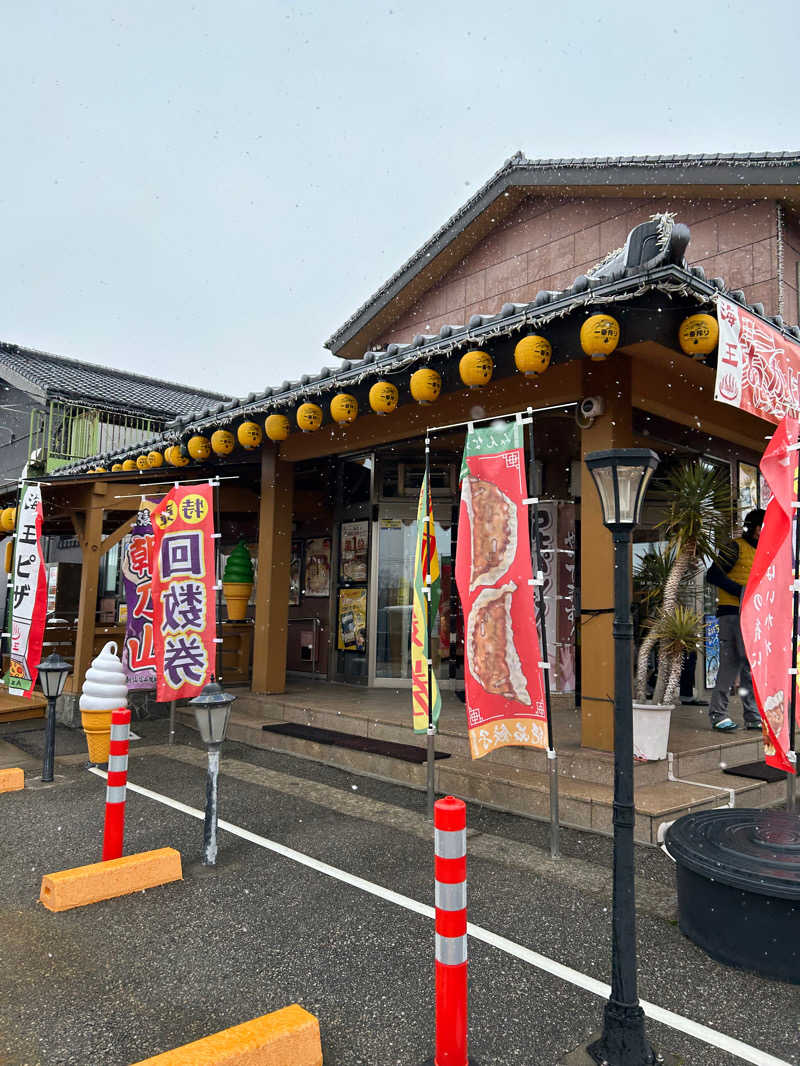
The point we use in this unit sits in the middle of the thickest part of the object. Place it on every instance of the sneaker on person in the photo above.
(725, 725)
(753, 723)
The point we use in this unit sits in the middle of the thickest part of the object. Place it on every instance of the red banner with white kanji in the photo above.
(502, 671)
(29, 595)
(183, 590)
(758, 368)
(766, 611)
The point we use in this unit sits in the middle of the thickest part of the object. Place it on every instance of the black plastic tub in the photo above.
(739, 887)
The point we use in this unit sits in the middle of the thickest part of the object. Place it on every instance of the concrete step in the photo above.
(584, 802)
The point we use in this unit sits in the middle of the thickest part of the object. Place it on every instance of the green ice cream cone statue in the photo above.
(237, 582)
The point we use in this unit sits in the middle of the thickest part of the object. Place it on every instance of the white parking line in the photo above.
(541, 962)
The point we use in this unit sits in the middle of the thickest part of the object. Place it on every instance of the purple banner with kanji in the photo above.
(183, 580)
(138, 652)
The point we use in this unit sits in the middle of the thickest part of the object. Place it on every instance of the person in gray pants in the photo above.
(729, 572)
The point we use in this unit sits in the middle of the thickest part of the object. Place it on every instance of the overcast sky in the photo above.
(204, 192)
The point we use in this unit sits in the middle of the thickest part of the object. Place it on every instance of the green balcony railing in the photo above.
(64, 433)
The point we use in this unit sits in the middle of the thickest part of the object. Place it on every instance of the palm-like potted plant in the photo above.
(694, 498)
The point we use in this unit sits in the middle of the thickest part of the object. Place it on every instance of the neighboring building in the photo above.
(55, 411)
(532, 251)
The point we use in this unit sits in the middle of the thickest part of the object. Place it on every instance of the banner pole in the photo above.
(792, 754)
(431, 754)
(552, 756)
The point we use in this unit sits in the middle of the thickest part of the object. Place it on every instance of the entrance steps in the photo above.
(511, 779)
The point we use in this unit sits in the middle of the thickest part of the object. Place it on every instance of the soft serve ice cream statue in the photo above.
(104, 690)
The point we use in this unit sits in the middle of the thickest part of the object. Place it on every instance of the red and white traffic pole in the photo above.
(450, 830)
(114, 829)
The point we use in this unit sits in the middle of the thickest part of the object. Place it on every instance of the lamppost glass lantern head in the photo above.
(621, 477)
(212, 710)
(53, 675)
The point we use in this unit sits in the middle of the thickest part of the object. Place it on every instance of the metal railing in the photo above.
(66, 432)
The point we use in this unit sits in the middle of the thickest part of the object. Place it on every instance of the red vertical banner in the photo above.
(766, 612)
(502, 671)
(183, 590)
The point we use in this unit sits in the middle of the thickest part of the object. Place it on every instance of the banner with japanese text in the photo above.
(766, 612)
(502, 660)
(426, 699)
(183, 591)
(758, 368)
(29, 592)
(138, 651)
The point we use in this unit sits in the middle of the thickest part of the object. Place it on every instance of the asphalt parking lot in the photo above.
(125, 979)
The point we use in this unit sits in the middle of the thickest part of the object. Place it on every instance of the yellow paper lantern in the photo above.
(129, 464)
(698, 335)
(599, 336)
(100, 470)
(383, 397)
(9, 560)
(426, 384)
(142, 462)
(198, 447)
(476, 369)
(8, 519)
(277, 427)
(116, 467)
(180, 455)
(344, 408)
(222, 442)
(156, 459)
(532, 355)
(249, 435)
(309, 417)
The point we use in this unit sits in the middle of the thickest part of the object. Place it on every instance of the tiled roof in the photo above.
(779, 168)
(613, 281)
(57, 377)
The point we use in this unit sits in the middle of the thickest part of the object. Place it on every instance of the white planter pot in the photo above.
(650, 731)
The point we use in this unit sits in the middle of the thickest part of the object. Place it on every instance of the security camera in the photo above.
(592, 406)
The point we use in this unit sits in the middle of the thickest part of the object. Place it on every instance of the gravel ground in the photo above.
(121, 980)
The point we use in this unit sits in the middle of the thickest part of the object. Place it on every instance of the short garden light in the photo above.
(52, 677)
(212, 710)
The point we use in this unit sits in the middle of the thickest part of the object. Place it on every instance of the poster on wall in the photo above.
(138, 651)
(748, 489)
(502, 660)
(183, 580)
(352, 625)
(353, 556)
(295, 573)
(52, 587)
(758, 368)
(317, 580)
(29, 595)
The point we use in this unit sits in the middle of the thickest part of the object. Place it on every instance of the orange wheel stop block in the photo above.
(12, 780)
(287, 1037)
(106, 880)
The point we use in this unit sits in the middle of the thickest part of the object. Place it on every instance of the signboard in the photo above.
(758, 368)
(138, 650)
(29, 595)
(766, 610)
(504, 687)
(352, 627)
(183, 591)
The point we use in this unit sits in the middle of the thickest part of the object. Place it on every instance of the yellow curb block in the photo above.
(287, 1037)
(12, 780)
(105, 880)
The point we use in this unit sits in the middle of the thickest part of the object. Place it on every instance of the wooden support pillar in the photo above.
(610, 380)
(272, 585)
(90, 536)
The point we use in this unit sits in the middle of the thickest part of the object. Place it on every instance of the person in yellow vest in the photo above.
(729, 572)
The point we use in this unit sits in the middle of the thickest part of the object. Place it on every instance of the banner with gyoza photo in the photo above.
(505, 695)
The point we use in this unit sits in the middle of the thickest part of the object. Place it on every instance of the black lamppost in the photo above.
(52, 677)
(621, 477)
(212, 710)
